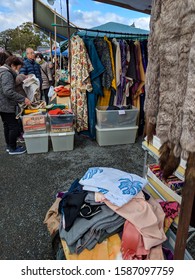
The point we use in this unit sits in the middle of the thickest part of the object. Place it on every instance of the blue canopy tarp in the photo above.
(64, 53)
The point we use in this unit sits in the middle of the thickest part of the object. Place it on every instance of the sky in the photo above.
(83, 13)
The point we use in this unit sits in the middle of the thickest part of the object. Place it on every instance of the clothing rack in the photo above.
(106, 32)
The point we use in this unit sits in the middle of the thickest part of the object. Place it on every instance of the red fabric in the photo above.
(56, 112)
(171, 208)
(132, 246)
(62, 91)
(58, 88)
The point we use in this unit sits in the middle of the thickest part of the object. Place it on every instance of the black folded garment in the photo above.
(112, 107)
(70, 206)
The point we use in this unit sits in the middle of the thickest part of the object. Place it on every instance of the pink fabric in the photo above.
(132, 246)
(156, 253)
(146, 216)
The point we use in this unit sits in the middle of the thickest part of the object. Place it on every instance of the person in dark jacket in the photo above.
(9, 99)
(31, 66)
(3, 56)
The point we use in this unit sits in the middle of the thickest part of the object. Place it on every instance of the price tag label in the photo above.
(121, 112)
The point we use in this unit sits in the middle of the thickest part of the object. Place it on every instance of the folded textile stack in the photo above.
(62, 91)
(105, 203)
(173, 182)
(61, 120)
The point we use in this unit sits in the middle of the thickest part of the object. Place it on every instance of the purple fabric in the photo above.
(167, 253)
(60, 194)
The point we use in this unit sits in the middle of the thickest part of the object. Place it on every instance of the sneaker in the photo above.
(7, 149)
(17, 151)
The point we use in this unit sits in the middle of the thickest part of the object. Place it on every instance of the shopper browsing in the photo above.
(9, 99)
(30, 66)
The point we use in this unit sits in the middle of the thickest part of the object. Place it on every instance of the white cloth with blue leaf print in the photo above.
(118, 187)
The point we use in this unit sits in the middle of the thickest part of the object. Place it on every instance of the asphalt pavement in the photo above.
(30, 182)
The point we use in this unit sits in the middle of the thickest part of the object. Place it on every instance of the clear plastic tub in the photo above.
(116, 136)
(62, 141)
(36, 143)
(116, 118)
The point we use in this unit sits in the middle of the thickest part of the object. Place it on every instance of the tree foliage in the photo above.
(23, 36)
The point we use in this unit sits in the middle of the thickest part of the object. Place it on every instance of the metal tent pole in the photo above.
(69, 42)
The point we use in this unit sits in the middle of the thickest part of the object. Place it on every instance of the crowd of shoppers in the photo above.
(13, 71)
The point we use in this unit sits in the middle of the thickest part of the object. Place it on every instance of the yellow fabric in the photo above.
(107, 250)
(167, 223)
(104, 100)
(112, 62)
(29, 111)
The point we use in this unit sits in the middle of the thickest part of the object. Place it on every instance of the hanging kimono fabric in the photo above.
(131, 74)
(118, 65)
(112, 91)
(141, 75)
(107, 77)
(144, 51)
(95, 77)
(121, 88)
(80, 82)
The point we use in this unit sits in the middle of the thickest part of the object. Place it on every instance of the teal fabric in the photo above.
(95, 77)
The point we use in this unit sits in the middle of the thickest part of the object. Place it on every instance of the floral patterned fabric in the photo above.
(171, 210)
(80, 82)
(118, 186)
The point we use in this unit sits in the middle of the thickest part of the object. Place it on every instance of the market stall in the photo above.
(166, 70)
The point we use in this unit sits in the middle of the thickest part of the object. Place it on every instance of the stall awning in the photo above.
(110, 28)
(143, 6)
(43, 17)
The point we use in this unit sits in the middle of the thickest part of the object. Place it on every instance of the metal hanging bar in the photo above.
(102, 31)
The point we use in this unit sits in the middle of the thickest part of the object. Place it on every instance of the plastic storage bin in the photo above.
(116, 136)
(34, 123)
(36, 143)
(62, 141)
(116, 118)
(61, 123)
